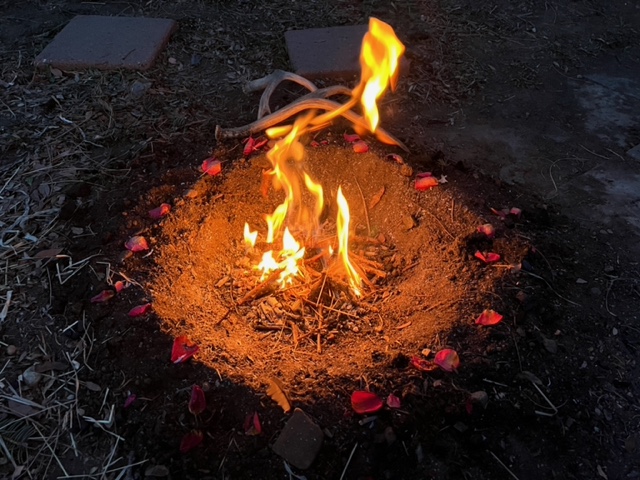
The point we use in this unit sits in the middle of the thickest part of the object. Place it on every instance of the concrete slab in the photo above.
(325, 52)
(107, 43)
(300, 440)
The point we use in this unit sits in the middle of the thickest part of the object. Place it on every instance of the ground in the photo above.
(517, 104)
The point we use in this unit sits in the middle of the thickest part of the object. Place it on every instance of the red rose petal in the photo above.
(191, 440)
(248, 147)
(396, 158)
(183, 349)
(447, 360)
(393, 401)
(424, 174)
(423, 365)
(515, 211)
(103, 296)
(488, 230)
(211, 166)
(252, 424)
(119, 286)
(139, 310)
(130, 399)
(360, 147)
(489, 257)
(259, 143)
(425, 183)
(314, 144)
(489, 317)
(160, 211)
(365, 402)
(351, 138)
(136, 244)
(197, 402)
(500, 213)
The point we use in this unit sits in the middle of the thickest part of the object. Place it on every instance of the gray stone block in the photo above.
(326, 52)
(106, 43)
(300, 440)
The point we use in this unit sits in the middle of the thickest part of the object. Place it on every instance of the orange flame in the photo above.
(249, 236)
(379, 56)
(342, 225)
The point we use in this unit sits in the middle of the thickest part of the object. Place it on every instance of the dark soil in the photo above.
(560, 371)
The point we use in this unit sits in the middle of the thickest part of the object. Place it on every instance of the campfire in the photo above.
(302, 245)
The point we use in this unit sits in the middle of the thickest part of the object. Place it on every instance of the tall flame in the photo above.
(342, 225)
(379, 56)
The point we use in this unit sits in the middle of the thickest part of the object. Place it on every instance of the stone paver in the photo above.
(325, 52)
(300, 440)
(106, 43)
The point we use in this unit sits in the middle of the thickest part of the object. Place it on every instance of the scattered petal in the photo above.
(103, 296)
(120, 285)
(424, 174)
(489, 257)
(211, 166)
(183, 349)
(139, 310)
(351, 138)
(252, 424)
(396, 158)
(130, 399)
(276, 392)
(425, 183)
(160, 211)
(253, 145)
(191, 440)
(489, 317)
(488, 230)
(423, 365)
(393, 401)
(314, 144)
(447, 360)
(500, 213)
(137, 244)
(515, 211)
(365, 402)
(197, 402)
(360, 147)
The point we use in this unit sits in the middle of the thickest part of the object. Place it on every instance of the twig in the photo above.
(260, 289)
(553, 407)
(513, 475)
(593, 153)
(344, 471)
(551, 288)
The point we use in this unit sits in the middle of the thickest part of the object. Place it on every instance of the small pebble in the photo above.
(11, 350)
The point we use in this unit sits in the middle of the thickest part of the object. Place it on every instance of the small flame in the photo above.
(379, 56)
(249, 236)
(289, 256)
(342, 224)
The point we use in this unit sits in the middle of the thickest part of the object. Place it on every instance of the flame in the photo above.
(249, 236)
(379, 56)
(342, 223)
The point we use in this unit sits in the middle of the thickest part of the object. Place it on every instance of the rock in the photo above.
(157, 471)
(11, 350)
(31, 377)
(550, 345)
(138, 89)
(634, 152)
(300, 440)
(408, 222)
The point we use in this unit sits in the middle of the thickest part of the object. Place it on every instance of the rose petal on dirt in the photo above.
(351, 137)
(365, 402)
(360, 147)
(191, 440)
(103, 296)
(119, 286)
(423, 365)
(515, 211)
(488, 230)
(139, 310)
(424, 175)
(160, 211)
(396, 158)
(197, 402)
(252, 424)
(489, 317)
(500, 213)
(211, 166)
(426, 183)
(314, 144)
(129, 400)
(489, 257)
(137, 244)
(248, 146)
(393, 401)
(447, 360)
(183, 349)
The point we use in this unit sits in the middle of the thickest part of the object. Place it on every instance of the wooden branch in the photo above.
(270, 83)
